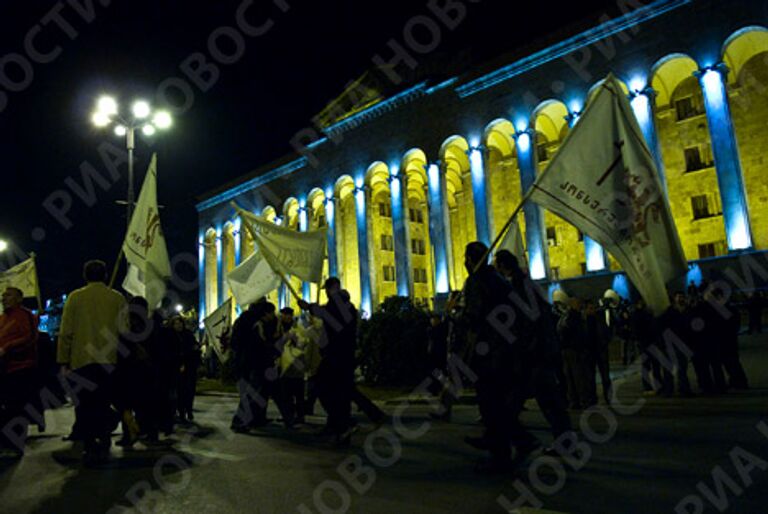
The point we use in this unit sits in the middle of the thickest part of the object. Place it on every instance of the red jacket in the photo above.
(18, 340)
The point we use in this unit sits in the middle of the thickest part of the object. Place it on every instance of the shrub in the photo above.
(393, 344)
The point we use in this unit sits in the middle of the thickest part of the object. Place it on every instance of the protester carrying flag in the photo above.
(23, 277)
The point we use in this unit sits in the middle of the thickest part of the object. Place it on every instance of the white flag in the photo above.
(252, 280)
(299, 254)
(22, 276)
(144, 246)
(513, 243)
(217, 326)
(604, 181)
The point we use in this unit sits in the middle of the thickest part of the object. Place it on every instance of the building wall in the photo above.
(489, 108)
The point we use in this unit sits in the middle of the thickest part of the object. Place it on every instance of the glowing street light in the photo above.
(142, 117)
(179, 308)
(3, 246)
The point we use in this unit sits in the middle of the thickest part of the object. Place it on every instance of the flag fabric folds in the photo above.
(288, 252)
(217, 327)
(144, 246)
(252, 280)
(513, 243)
(22, 276)
(604, 181)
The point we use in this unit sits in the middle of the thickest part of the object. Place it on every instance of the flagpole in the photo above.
(116, 268)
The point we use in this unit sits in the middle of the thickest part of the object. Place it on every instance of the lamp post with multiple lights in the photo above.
(142, 118)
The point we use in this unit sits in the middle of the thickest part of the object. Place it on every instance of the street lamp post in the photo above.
(142, 118)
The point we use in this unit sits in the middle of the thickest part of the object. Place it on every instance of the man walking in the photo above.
(18, 371)
(336, 375)
(94, 317)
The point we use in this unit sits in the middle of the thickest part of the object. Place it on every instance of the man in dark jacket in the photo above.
(336, 374)
(645, 330)
(247, 344)
(502, 377)
(676, 328)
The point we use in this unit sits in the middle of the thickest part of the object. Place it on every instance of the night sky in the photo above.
(244, 120)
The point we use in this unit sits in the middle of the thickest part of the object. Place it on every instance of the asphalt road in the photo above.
(655, 456)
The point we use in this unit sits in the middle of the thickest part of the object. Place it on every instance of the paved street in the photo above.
(644, 462)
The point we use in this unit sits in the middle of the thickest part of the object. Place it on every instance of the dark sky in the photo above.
(245, 120)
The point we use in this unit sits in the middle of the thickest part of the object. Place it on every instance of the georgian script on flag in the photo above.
(300, 254)
(604, 181)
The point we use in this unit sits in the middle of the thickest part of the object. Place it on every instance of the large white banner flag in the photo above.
(604, 181)
(217, 326)
(252, 280)
(22, 276)
(299, 254)
(144, 246)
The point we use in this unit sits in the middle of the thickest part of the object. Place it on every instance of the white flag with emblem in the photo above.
(217, 327)
(252, 280)
(23, 276)
(604, 181)
(144, 246)
(513, 243)
(299, 254)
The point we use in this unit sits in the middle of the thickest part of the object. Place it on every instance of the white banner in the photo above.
(299, 254)
(604, 181)
(252, 280)
(22, 276)
(513, 243)
(144, 245)
(217, 326)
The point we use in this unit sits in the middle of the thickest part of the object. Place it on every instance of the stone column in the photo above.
(306, 291)
(203, 286)
(399, 199)
(219, 268)
(477, 158)
(726, 154)
(534, 216)
(366, 300)
(437, 226)
(644, 105)
(330, 217)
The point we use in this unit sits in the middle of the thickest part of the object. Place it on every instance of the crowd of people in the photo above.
(125, 365)
(120, 363)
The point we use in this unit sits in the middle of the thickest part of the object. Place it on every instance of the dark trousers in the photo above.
(95, 417)
(254, 396)
(292, 393)
(187, 385)
(17, 390)
(336, 382)
(546, 390)
(312, 395)
(500, 402)
(680, 372)
(651, 369)
(576, 372)
(598, 361)
(732, 364)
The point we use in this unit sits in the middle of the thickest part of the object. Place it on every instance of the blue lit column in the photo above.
(282, 290)
(219, 269)
(477, 156)
(237, 239)
(399, 229)
(330, 217)
(306, 291)
(643, 104)
(437, 232)
(593, 252)
(534, 216)
(366, 302)
(726, 153)
(202, 286)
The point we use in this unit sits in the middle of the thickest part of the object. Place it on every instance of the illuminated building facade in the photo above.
(405, 182)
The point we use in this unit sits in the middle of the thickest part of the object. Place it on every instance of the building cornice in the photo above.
(568, 46)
